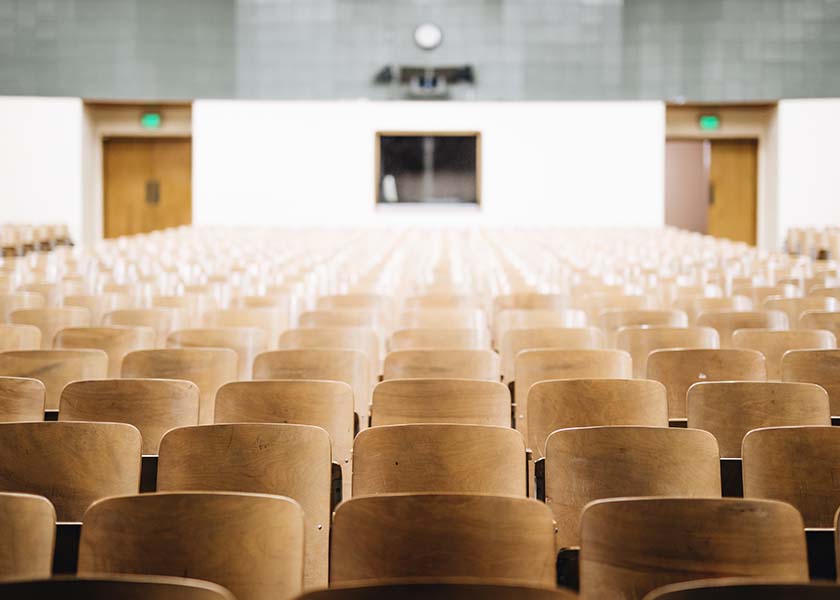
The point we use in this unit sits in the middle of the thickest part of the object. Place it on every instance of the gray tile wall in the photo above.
(700, 50)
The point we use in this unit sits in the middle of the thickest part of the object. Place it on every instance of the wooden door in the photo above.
(148, 184)
(733, 185)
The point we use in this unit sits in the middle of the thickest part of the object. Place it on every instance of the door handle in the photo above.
(152, 191)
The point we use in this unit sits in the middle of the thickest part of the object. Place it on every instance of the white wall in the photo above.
(809, 163)
(41, 161)
(587, 163)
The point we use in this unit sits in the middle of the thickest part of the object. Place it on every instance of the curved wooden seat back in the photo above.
(362, 339)
(821, 319)
(162, 320)
(271, 320)
(441, 300)
(442, 364)
(631, 546)
(450, 318)
(597, 303)
(746, 589)
(247, 342)
(71, 464)
(19, 337)
(730, 409)
(361, 301)
(116, 342)
(394, 537)
(821, 367)
(726, 323)
(534, 318)
(795, 307)
(773, 344)
(265, 458)
(51, 320)
(153, 406)
(19, 301)
(696, 305)
(759, 293)
(464, 401)
(611, 321)
(795, 465)
(54, 368)
(440, 338)
(641, 341)
(26, 546)
(347, 317)
(530, 301)
(99, 304)
(515, 341)
(591, 463)
(444, 458)
(542, 365)
(21, 399)
(350, 366)
(108, 587)
(252, 544)
(440, 591)
(207, 368)
(679, 369)
(561, 404)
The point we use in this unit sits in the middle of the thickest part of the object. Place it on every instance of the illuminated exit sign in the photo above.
(150, 120)
(709, 122)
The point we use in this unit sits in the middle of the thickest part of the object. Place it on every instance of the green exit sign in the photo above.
(709, 122)
(150, 120)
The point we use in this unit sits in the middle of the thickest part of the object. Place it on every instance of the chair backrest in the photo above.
(759, 293)
(362, 339)
(597, 303)
(51, 320)
(450, 318)
(19, 337)
(773, 344)
(99, 304)
(251, 544)
(613, 320)
(441, 458)
(54, 368)
(271, 320)
(115, 341)
(208, 368)
(464, 401)
(398, 536)
(107, 587)
(542, 365)
(730, 409)
(442, 364)
(27, 524)
(21, 399)
(821, 319)
(515, 341)
(726, 323)
(265, 458)
(815, 366)
(530, 301)
(561, 404)
(359, 301)
(694, 306)
(350, 366)
(162, 320)
(19, 301)
(591, 463)
(153, 406)
(346, 317)
(747, 588)
(441, 300)
(794, 307)
(440, 591)
(71, 464)
(519, 318)
(441, 338)
(631, 546)
(641, 341)
(679, 369)
(795, 465)
(247, 342)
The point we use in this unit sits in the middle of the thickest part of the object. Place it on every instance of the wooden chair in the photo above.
(678, 369)
(189, 306)
(162, 321)
(251, 544)
(612, 320)
(697, 305)
(560, 338)
(71, 464)
(542, 365)
(561, 404)
(537, 319)
(115, 341)
(490, 538)
(449, 318)
(595, 304)
(50, 291)
(441, 301)
(449, 339)
(631, 546)
(730, 409)
(153, 406)
(362, 339)
(361, 301)
(639, 342)
(591, 463)
(446, 458)
(27, 528)
(247, 342)
(19, 337)
(108, 587)
(208, 368)
(773, 344)
(726, 323)
(796, 465)
(440, 591)
(747, 588)
(21, 399)
(270, 320)
(51, 320)
(349, 366)
(821, 319)
(367, 319)
(442, 364)
(265, 458)
(54, 368)
(99, 304)
(759, 293)
(795, 307)
(459, 401)
(12, 302)
(815, 366)
(530, 301)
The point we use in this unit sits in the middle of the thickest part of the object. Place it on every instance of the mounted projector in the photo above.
(425, 83)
